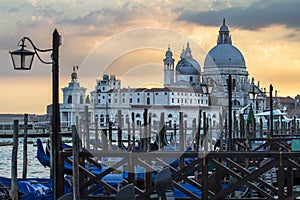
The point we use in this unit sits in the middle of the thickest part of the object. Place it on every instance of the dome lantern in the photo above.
(224, 37)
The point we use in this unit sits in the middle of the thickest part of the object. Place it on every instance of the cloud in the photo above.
(104, 21)
(258, 15)
(12, 10)
(104, 15)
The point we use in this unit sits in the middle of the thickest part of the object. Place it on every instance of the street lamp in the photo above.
(252, 94)
(207, 89)
(22, 60)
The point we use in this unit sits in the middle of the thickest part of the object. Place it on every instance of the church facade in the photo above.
(223, 60)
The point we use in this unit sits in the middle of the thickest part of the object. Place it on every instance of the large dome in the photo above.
(187, 65)
(224, 55)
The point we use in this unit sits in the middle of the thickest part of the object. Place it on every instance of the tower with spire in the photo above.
(168, 68)
(73, 96)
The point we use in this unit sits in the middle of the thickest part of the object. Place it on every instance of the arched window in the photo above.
(148, 101)
(137, 115)
(170, 116)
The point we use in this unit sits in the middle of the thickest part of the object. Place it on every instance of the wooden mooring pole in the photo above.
(230, 112)
(96, 143)
(120, 139)
(24, 174)
(133, 131)
(87, 127)
(204, 140)
(75, 164)
(197, 137)
(181, 132)
(162, 131)
(14, 163)
(271, 110)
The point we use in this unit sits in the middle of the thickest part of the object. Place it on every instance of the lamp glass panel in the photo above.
(204, 89)
(252, 95)
(210, 88)
(22, 59)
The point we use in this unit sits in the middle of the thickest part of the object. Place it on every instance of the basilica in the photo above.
(183, 91)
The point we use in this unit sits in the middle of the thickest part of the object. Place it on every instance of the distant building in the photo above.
(36, 123)
(288, 105)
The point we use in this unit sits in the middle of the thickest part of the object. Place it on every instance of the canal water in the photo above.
(34, 168)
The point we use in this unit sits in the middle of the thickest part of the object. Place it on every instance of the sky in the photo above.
(129, 39)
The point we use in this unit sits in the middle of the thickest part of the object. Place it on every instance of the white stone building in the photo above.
(181, 92)
(74, 101)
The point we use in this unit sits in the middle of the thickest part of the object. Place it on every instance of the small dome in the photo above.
(169, 53)
(105, 77)
(224, 55)
(224, 28)
(188, 65)
(169, 57)
(74, 76)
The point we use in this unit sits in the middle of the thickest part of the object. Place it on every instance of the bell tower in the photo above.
(168, 68)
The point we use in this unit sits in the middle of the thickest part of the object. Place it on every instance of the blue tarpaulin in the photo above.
(31, 188)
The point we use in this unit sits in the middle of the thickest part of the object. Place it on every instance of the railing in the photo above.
(213, 175)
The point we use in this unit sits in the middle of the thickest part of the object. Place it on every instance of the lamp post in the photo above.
(271, 109)
(252, 96)
(221, 87)
(207, 89)
(229, 87)
(20, 59)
